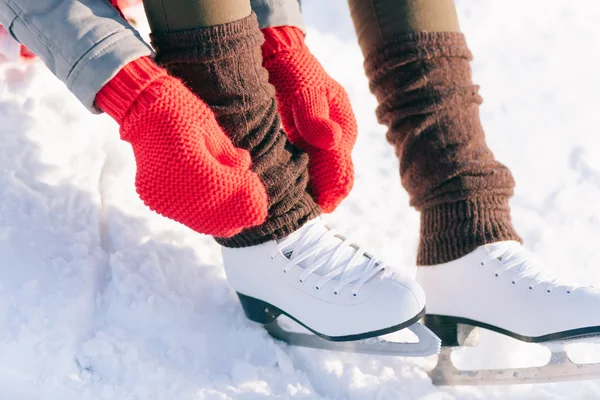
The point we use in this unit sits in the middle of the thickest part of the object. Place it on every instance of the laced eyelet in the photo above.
(317, 288)
(336, 293)
(568, 292)
(355, 295)
(496, 275)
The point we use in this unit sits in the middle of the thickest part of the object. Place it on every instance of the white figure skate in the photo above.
(343, 295)
(501, 287)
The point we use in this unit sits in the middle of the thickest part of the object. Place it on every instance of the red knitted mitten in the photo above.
(187, 168)
(315, 111)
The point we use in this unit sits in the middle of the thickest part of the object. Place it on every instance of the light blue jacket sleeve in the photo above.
(83, 42)
(271, 13)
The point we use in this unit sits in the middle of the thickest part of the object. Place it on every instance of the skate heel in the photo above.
(258, 310)
(451, 332)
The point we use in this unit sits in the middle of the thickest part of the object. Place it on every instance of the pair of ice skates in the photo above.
(348, 298)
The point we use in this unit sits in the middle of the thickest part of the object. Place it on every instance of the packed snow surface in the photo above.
(102, 299)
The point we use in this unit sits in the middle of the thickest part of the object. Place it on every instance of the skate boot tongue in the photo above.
(331, 250)
(521, 265)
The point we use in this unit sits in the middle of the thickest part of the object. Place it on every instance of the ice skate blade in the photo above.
(428, 343)
(559, 369)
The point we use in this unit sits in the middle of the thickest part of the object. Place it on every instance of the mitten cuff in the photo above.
(119, 94)
(281, 39)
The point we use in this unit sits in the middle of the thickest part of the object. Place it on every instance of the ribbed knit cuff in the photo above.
(452, 230)
(208, 43)
(281, 39)
(275, 228)
(119, 94)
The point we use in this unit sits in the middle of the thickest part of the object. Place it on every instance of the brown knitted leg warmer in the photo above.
(222, 64)
(422, 82)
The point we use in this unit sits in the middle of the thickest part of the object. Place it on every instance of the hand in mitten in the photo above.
(187, 168)
(315, 111)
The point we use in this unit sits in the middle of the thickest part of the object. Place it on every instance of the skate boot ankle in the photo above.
(503, 288)
(325, 283)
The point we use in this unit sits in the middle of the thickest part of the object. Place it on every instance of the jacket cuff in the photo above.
(272, 13)
(102, 63)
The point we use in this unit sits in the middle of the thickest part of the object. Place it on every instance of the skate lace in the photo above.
(320, 250)
(524, 266)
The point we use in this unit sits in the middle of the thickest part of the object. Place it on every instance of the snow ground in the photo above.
(102, 299)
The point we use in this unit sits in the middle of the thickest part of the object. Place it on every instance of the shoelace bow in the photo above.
(317, 247)
(526, 267)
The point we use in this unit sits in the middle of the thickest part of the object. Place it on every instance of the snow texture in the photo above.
(102, 299)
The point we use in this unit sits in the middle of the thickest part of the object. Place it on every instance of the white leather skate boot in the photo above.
(325, 283)
(502, 287)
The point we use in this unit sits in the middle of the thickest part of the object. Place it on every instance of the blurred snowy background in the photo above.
(102, 299)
